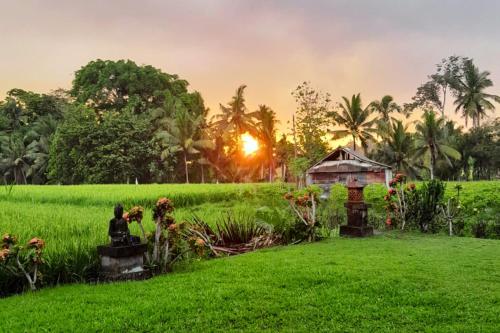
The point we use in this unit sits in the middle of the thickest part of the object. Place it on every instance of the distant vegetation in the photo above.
(122, 123)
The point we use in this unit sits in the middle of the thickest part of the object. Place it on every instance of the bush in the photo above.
(425, 205)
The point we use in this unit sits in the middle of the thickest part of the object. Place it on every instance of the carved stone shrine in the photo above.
(357, 212)
(123, 258)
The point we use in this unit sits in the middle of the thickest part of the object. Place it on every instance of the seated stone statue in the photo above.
(118, 229)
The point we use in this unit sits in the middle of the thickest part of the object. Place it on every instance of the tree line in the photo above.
(121, 122)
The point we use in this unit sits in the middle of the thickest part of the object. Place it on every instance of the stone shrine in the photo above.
(357, 212)
(123, 259)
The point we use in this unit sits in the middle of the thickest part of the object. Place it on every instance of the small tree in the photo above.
(25, 259)
(304, 204)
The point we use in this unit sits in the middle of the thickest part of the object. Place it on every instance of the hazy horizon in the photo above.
(342, 47)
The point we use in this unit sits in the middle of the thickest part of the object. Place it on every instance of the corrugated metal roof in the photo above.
(343, 157)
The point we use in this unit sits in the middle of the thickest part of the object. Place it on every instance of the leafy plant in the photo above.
(26, 259)
(304, 204)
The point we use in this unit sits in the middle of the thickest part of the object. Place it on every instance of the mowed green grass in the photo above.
(393, 282)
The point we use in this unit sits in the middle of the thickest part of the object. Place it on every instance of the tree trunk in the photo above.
(444, 102)
(202, 174)
(354, 142)
(186, 168)
(271, 167)
(433, 162)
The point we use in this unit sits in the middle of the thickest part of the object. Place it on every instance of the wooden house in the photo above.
(343, 164)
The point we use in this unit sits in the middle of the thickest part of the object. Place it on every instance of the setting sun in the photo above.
(250, 145)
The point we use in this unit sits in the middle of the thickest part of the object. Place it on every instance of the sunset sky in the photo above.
(343, 47)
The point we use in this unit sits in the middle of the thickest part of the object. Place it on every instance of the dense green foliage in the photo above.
(384, 283)
(121, 121)
(117, 149)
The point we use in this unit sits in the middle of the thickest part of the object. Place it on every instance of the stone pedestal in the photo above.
(122, 262)
(357, 212)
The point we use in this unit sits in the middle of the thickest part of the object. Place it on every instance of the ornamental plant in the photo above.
(162, 218)
(136, 214)
(397, 201)
(304, 204)
(25, 259)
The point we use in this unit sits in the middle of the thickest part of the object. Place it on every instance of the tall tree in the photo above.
(433, 93)
(355, 119)
(472, 100)
(235, 118)
(397, 149)
(15, 160)
(311, 121)
(266, 132)
(106, 85)
(431, 141)
(181, 133)
(385, 107)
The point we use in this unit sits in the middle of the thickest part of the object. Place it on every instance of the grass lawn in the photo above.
(384, 283)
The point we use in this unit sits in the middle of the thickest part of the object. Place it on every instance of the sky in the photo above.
(341, 47)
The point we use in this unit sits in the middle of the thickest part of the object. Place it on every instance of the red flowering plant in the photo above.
(25, 259)
(397, 201)
(169, 241)
(136, 214)
(304, 204)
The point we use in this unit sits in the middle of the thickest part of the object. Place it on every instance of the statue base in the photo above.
(123, 262)
(356, 231)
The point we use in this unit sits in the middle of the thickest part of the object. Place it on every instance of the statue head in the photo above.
(118, 211)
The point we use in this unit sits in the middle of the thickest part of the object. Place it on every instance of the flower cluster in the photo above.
(4, 254)
(8, 240)
(36, 243)
(198, 245)
(126, 217)
(398, 179)
(300, 200)
(136, 213)
(167, 221)
(163, 206)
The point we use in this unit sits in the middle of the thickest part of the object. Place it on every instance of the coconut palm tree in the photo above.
(15, 161)
(397, 149)
(354, 118)
(182, 133)
(385, 107)
(431, 141)
(472, 100)
(40, 136)
(234, 118)
(266, 133)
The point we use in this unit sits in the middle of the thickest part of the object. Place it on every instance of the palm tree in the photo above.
(15, 160)
(355, 119)
(397, 149)
(181, 133)
(471, 99)
(385, 107)
(266, 132)
(38, 150)
(431, 142)
(234, 117)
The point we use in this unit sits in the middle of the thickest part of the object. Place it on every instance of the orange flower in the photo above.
(37, 243)
(8, 239)
(136, 213)
(199, 242)
(4, 254)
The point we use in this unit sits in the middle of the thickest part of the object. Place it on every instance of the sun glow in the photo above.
(250, 145)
